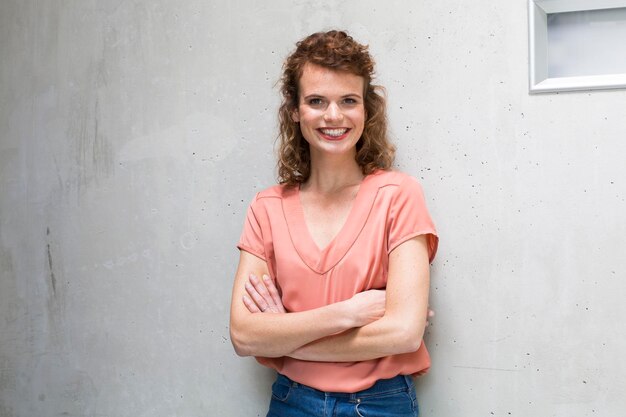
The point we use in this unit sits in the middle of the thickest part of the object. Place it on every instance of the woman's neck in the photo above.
(330, 175)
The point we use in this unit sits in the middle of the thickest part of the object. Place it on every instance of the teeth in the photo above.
(334, 132)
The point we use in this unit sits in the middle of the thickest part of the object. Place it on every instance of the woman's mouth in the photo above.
(334, 133)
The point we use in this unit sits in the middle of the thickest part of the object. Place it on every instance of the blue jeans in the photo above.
(393, 397)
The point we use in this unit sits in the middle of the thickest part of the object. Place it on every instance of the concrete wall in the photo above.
(133, 134)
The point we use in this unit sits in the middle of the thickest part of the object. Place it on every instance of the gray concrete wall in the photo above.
(133, 134)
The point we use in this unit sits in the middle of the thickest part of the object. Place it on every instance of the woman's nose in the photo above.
(333, 112)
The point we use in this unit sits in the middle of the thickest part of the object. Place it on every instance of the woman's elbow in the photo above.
(246, 346)
(238, 340)
(240, 349)
(409, 338)
(412, 344)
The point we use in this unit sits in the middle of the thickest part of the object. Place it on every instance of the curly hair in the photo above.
(338, 51)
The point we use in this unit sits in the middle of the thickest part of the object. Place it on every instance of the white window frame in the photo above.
(538, 11)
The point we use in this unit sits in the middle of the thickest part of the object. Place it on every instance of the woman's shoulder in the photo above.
(391, 177)
(278, 191)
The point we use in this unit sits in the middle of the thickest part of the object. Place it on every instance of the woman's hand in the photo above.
(429, 315)
(262, 296)
(367, 306)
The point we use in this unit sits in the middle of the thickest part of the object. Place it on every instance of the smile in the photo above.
(335, 133)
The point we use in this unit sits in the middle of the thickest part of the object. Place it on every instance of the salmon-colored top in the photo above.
(388, 210)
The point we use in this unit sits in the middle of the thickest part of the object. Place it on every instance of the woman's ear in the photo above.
(295, 116)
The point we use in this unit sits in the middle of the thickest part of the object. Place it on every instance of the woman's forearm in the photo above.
(275, 335)
(381, 338)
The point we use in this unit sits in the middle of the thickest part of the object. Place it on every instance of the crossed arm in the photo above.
(370, 325)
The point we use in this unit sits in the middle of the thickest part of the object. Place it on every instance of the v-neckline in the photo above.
(324, 259)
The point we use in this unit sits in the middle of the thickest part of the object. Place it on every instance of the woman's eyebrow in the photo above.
(317, 95)
(313, 95)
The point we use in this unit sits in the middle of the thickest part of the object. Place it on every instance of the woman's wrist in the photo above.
(344, 314)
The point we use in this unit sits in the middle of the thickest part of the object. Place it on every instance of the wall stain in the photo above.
(53, 279)
(92, 149)
(12, 316)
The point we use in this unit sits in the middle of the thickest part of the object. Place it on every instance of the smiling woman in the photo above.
(342, 246)
(335, 51)
(330, 111)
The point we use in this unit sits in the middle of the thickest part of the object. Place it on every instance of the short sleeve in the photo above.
(409, 217)
(251, 239)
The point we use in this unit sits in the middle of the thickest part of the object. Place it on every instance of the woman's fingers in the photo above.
(263, 295)
(258, 299)
(262, 290)
(273, 291)
(429, 315)
(367, 306)
(250, 305)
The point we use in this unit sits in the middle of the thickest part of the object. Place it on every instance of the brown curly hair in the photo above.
(338, 51)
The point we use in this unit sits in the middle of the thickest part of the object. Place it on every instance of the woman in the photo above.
(332, 285)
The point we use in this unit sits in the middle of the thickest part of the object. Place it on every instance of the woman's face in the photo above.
(331, 111)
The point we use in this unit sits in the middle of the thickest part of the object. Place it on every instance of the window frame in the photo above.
(538, 11)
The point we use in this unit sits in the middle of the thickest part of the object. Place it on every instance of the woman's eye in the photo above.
(350, 101)
(315, 101)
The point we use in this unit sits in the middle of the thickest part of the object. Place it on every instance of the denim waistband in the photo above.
(382, 386)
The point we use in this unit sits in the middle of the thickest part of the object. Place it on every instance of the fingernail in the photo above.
(266, 278)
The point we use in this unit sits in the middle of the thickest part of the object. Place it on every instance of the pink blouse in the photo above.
(389, 209)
